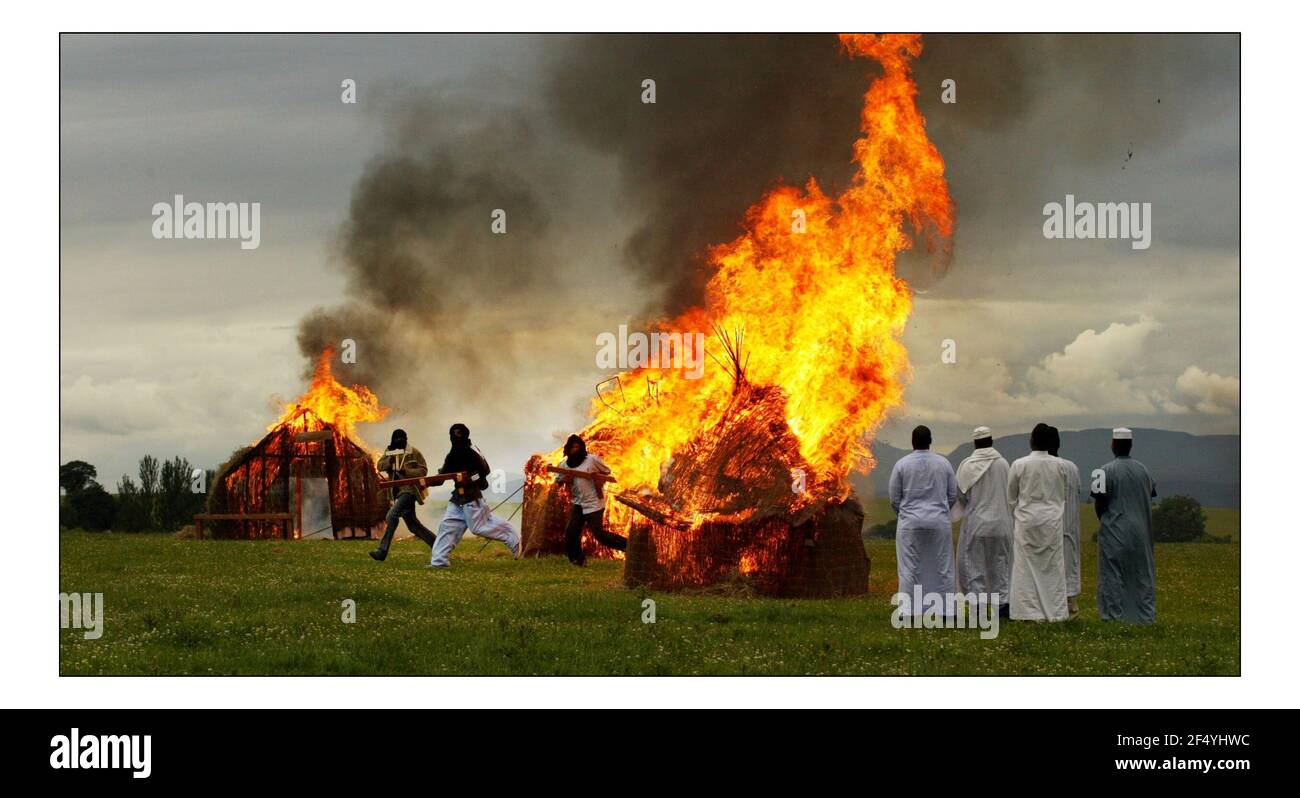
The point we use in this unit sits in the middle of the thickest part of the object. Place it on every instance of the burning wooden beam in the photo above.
(658, 515)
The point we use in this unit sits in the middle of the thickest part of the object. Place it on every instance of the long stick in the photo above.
(422, 482)
(573, 472)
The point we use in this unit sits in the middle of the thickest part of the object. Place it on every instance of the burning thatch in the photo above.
(739, 503)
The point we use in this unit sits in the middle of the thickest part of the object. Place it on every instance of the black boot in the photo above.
(379, 554)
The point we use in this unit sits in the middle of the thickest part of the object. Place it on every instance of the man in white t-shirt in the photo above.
(588, 502)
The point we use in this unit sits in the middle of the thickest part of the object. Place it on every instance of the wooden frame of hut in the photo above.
(258, 493)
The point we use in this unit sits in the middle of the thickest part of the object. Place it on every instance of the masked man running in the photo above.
(401, 461)
(467, 509)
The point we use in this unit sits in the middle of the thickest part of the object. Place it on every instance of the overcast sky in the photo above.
(187, 347)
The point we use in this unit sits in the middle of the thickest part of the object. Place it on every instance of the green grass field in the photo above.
(233, 607)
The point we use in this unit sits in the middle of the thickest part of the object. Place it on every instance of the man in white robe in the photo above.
(923, 490)
(1036, 489)
(1070, 528)
(984, 548)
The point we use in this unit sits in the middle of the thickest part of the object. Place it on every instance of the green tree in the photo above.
(149, 477)
(76, 475)
(132, 511)
(1178, 519)
(176, 502)
(91, 508)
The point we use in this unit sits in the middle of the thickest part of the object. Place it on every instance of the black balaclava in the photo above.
(459, 434)
(398, 441)
(575, 459)
(1053, 441)
(921, 438)
(1040, 437)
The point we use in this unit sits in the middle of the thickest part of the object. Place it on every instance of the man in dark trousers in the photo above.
(467, 509)
(401, 461)
(588, 502)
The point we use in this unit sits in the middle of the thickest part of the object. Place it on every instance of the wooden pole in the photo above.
(423, 482)
(298, 495)
(573, 472)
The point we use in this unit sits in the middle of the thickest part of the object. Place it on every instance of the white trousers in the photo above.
(476, 517)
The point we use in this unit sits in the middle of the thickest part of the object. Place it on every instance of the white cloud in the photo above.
(1098, 371)
(1103, 376)
(1208, 393)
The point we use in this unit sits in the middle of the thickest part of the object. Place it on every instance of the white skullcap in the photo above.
(982, 432)
(1121, 434)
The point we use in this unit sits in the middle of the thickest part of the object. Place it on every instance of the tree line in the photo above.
(163, 498)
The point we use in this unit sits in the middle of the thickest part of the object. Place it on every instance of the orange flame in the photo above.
(334, 403)
(811, 283)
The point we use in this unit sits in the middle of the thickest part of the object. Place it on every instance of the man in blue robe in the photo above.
(1126, 561)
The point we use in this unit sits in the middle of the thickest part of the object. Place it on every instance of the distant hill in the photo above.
(1205, 467)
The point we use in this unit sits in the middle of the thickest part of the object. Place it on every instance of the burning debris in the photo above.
(711, 463)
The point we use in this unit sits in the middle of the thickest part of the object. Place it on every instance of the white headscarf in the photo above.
(973, 467)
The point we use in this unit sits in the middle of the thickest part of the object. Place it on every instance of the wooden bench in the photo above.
(284, 518)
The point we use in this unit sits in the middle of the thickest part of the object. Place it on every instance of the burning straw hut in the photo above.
(737, 505)
(747, 477)
(740, 504)
(266, 490)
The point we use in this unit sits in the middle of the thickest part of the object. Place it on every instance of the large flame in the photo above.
(821, 309)
(334, 403)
